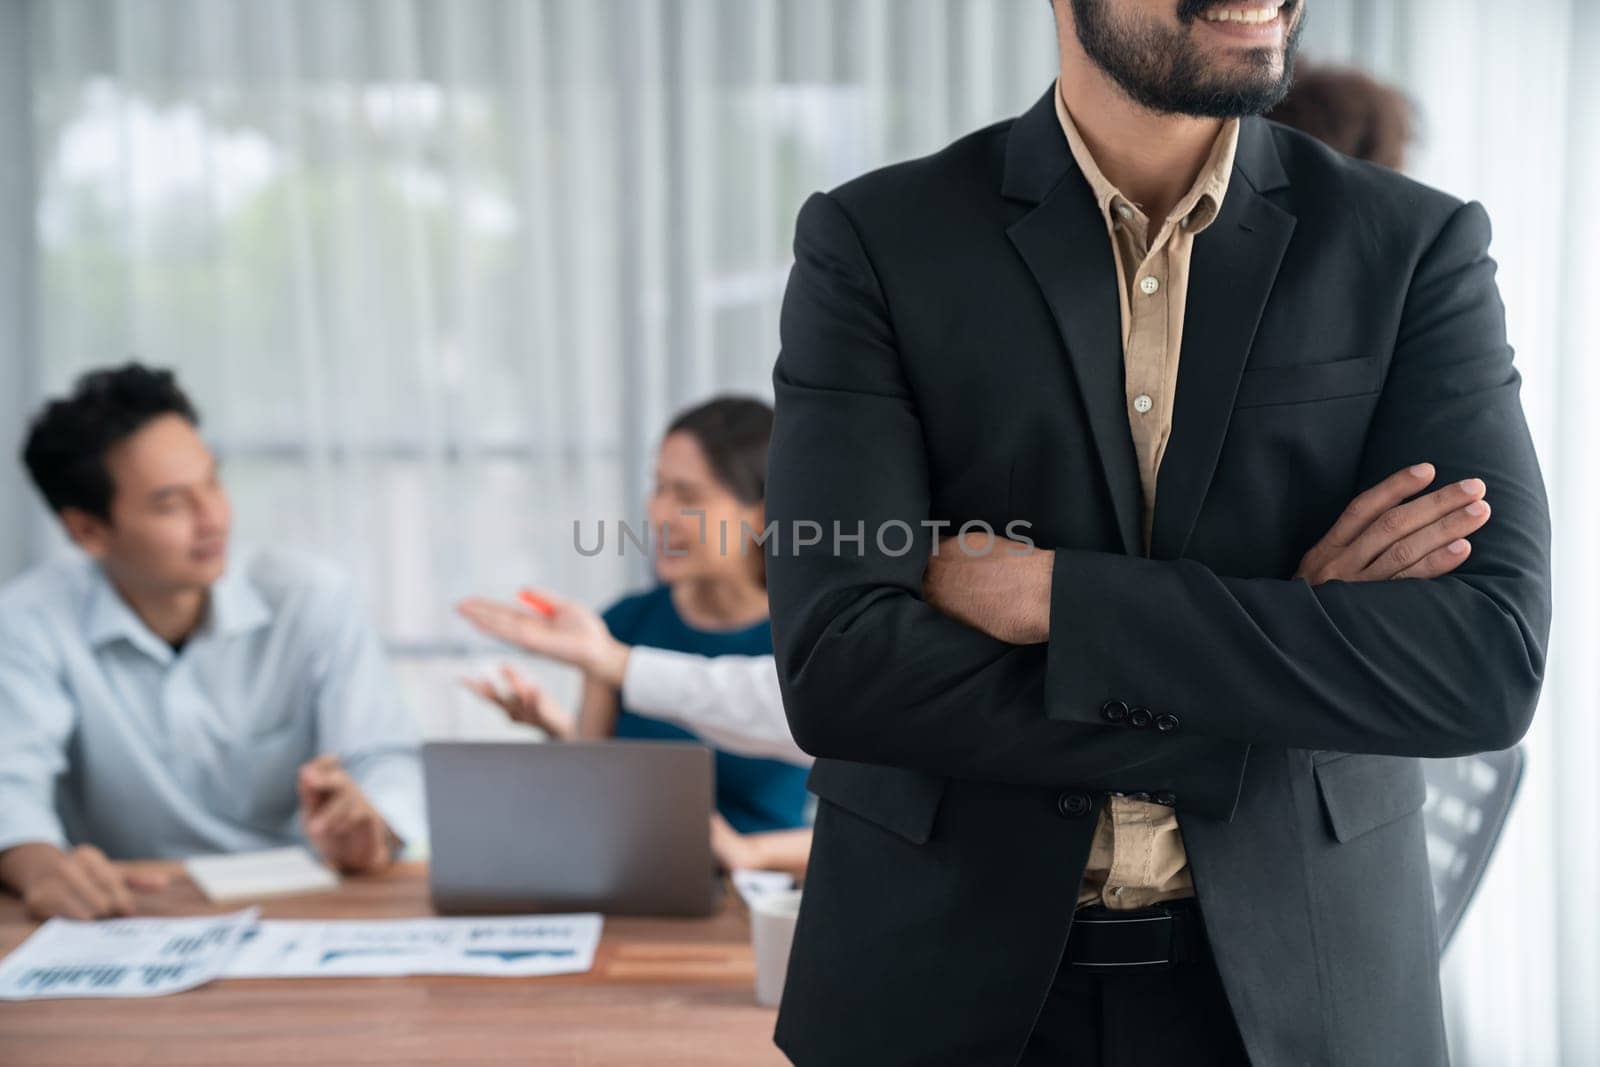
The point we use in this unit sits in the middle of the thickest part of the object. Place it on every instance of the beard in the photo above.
(1162, 69)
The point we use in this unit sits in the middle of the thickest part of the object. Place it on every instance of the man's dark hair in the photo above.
(65, 452)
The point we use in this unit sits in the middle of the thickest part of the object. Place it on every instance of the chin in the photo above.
(208, 569)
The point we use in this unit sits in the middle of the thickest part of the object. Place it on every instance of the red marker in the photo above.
(537, 603)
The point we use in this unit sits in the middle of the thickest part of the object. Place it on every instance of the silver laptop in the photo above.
(620, 827)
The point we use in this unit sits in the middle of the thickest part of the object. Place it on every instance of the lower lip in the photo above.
(1254, 32)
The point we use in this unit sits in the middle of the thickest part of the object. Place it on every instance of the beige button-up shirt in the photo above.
(1137, 855)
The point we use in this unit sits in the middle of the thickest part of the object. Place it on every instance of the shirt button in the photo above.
(1125, 211)
(1142, 403)
(1148, 285)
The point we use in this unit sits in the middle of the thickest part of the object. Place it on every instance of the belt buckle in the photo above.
(1096, 945)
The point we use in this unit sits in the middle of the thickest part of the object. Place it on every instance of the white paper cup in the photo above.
(772, 917)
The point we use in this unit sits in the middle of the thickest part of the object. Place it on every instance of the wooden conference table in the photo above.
(662, 991)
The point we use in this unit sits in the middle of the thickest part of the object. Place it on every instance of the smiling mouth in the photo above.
(1248, 14)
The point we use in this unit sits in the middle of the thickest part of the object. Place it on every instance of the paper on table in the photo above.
(509, 947)
(121, 957)
(253, 875)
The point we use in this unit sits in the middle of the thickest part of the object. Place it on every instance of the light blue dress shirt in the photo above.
(109, 737)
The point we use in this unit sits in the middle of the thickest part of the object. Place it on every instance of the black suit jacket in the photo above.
(951, 352)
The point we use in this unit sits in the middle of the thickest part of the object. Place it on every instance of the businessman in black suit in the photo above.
(1135, 780)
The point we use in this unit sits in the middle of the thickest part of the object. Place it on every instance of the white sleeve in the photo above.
(732, 702)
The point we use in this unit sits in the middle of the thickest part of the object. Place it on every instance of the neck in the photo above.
(720, 603)
(170, 615)
(1153, 158)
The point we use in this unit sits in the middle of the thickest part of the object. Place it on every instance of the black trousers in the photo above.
(1176, 1014)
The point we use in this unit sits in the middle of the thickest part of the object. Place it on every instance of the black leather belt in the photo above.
(1158, 936)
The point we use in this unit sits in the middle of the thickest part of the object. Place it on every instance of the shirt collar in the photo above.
(235, 606)
(1204, 198)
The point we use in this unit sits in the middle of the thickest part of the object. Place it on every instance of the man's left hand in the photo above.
(341, 823)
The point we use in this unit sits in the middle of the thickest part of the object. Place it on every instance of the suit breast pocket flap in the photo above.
(1301, 383)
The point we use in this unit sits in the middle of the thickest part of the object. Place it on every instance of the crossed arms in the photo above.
(1428, 666)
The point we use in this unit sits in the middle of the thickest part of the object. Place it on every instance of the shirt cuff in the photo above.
(25, 823)
(393, 784)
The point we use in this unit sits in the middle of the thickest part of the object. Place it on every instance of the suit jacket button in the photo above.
(1139, 717)
(1074, 805)
(1113, 711)
(1166, 722)
(1169, 799)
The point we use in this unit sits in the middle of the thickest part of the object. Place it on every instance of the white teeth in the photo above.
(1244, 14)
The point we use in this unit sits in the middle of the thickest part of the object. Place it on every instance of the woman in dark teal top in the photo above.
(754, 795)
(705, 512)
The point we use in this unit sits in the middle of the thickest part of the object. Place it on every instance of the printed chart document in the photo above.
(274, 872)
(121, 957)
(510, 947)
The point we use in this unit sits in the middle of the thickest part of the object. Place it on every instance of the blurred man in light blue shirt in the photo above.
(159, 698)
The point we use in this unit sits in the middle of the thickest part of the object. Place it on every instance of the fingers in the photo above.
(144, 878)
(320, 783)
(504, 621)
(1450, 514)
(486, 689)
(316, 777)
(350, 834)
(54, 899)
(1440, 561)
(1383, 535)
(526, 694)
(84, 889)
(106, 878)
(1375, 501)
(339, 816)
(1449, 532)
(323, 773)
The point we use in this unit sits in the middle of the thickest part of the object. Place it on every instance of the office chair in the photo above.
(1469, 798)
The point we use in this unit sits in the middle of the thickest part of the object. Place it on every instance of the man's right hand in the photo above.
(1384, 535)
(81, 884)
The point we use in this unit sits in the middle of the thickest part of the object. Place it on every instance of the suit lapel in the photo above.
(1066, 247)
(1234, 265)
(1064, 243)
